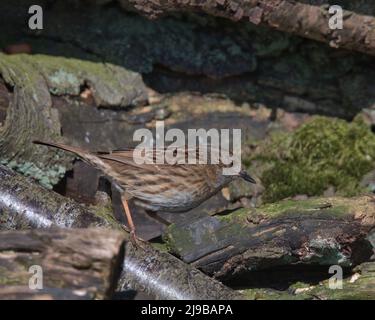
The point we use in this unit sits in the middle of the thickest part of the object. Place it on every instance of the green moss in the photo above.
(160, 246)
(184, 239)
(106, 213)
(237, 216)
(358, 286)
(177, 241)
(47, 177)
(269, 294)
(287, 207)
(323, 152)
(10, 278)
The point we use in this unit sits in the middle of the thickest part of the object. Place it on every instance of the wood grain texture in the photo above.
(76, 263)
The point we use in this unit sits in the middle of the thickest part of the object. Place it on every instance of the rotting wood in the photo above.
(287, 233)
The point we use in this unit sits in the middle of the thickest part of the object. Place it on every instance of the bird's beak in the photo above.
(244, 175)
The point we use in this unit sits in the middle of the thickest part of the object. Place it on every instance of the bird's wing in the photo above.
(151, 155)
(124, 157)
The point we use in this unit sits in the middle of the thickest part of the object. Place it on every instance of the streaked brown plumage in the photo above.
(172, 188)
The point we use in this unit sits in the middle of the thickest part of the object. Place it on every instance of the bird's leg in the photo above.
(129, 219)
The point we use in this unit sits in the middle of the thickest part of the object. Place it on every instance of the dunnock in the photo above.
(172, 188)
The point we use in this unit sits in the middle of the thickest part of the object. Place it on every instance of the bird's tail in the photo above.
(83, 154)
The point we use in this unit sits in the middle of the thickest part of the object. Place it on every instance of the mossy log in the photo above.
(314, 232)
(24, 204)
(27, 84)
(74, 263)
(295, 17)
(359, 285)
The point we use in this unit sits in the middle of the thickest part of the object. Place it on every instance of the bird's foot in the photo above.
(138, 242)
(135, 241)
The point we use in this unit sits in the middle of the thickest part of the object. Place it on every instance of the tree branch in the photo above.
(302, 19)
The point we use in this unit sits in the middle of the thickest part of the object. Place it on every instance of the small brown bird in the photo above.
(172, 188)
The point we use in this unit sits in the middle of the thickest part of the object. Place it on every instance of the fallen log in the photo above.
(309, 21)
(24, 204)
(60, 263)
(314, 232)
(167, 278)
